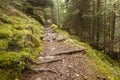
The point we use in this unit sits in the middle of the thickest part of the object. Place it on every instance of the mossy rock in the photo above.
(31, 39)
(14, 44)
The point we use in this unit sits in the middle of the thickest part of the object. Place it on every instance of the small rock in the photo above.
(68, 75)
(44, 39)
(82, 69)
(77, 74)
(70, 66)
(69, 40)
(85, 77)
(50, 40)
(41, 58)
(81, 74)
(61, 37)
(52, 49)
(49, 57)
(82, 48)
(63, 61)
(67, 71)
(49, 34)
(38, 79)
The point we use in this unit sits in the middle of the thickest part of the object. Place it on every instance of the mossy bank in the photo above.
(20, 35)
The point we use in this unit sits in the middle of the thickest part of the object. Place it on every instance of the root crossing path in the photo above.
(61, 61)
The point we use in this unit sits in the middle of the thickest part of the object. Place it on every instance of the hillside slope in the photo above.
(20, 35)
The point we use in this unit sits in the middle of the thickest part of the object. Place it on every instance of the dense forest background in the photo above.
(94, 21)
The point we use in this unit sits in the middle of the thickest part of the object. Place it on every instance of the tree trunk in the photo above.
(57, 12)
(98, 24)
(112, 30)
(93, 26)
(105, 30)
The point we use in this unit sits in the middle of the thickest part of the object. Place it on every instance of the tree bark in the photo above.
(112, 29)
(98, 24)
(105, 30)
(57, 12)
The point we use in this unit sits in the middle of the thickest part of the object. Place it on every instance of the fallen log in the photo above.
(69, 52)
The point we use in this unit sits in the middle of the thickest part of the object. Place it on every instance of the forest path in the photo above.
(68, 67)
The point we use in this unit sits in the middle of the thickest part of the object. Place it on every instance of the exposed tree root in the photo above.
(69, 52)
(28, 60)
(39, 70)
(50, 61)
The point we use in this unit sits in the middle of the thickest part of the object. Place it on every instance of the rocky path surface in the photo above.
(66, 66)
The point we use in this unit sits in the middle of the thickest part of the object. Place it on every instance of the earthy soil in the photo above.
(70, 67)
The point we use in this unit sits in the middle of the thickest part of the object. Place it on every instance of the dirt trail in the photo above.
(70, 67)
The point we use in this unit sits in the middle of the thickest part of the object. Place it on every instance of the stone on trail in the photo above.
(38, 79)
(61, 37)
(52, 49)
(46, 58)
(49, 57)
(41, 58)
(77, 74)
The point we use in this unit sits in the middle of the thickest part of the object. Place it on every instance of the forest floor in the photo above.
(64, 66)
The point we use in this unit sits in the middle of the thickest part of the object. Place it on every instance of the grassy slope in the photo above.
(103, 64)
(13, 44)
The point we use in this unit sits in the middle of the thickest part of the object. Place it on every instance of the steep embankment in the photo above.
(20, 35)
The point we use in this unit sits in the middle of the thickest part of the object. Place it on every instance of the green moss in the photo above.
(3, 44)
(7, 58)
(8, 74)
(12, 48)
(6, 33)
(36, 52)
